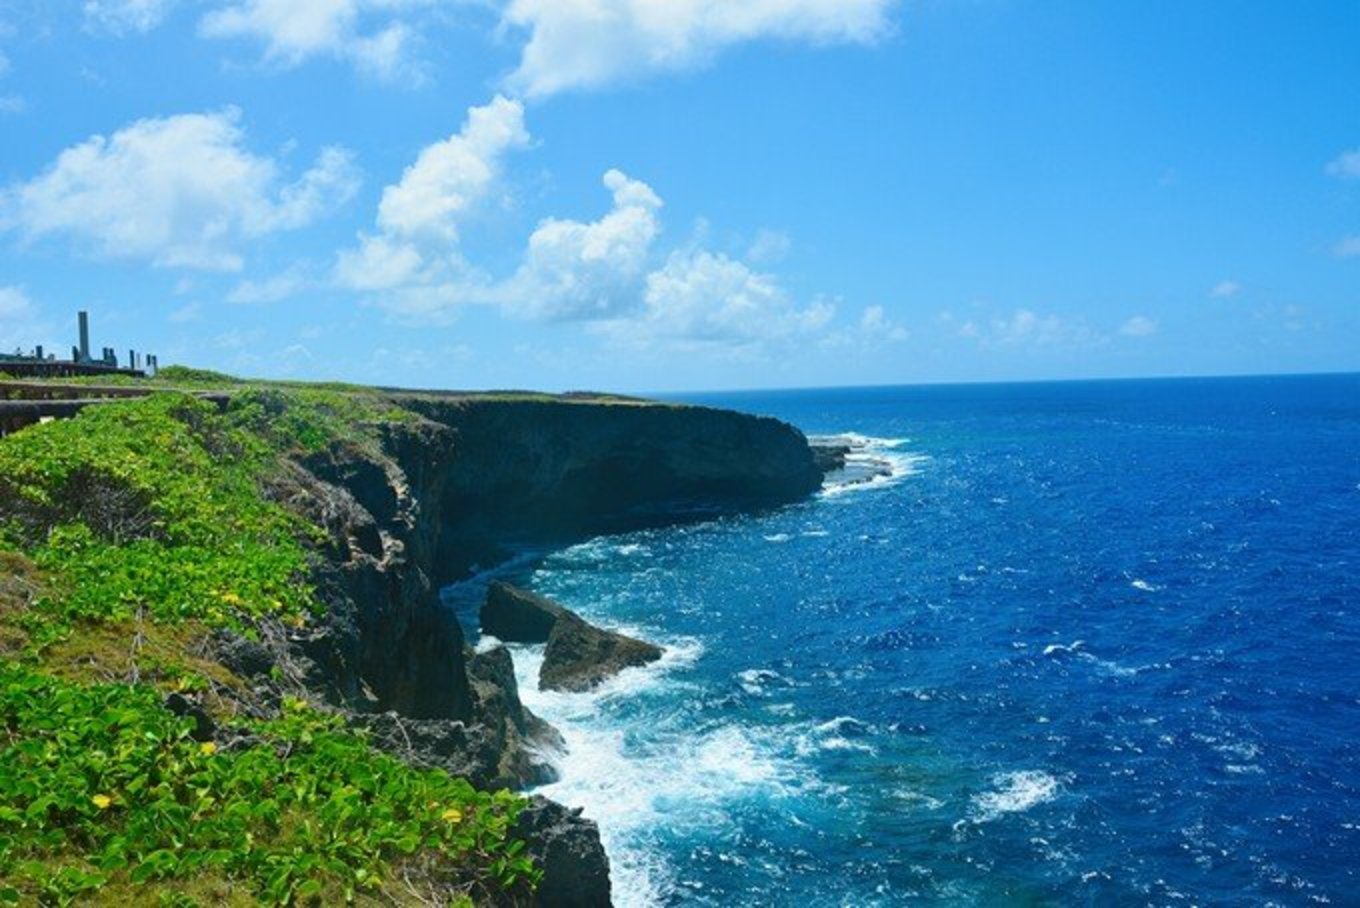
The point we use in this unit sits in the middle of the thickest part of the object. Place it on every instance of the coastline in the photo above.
(366, 505)
(625, 786)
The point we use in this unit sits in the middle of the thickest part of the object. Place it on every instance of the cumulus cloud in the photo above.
(123, 16)
(576, 270)
(706, 299)
(1345, 166)
(411, 264)
(606, 272)
(592, 43)
(450, 177)
(179, 191)
(293, 31)
(1225, 289)
(379, 263)
(1138, 326)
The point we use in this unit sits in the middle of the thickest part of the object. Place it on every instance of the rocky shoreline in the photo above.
(452, 492)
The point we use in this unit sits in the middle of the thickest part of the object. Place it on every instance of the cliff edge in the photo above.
(285, 546)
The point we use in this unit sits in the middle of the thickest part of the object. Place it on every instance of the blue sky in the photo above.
(685, 194)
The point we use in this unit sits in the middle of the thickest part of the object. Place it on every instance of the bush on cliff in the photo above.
(127, 535)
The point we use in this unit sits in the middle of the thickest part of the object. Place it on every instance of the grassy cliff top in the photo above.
(132, 536)
(184, 378)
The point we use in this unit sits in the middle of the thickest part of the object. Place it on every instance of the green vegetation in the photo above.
(128, 536)
(100, 784)
(151, 507)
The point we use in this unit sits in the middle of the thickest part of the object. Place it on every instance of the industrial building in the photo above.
(39, 363)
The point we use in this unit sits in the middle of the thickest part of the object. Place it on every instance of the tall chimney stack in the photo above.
(84, 336)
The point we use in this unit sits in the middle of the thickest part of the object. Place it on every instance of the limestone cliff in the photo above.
(447, 491)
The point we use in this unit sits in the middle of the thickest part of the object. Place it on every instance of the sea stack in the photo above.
(578, 656)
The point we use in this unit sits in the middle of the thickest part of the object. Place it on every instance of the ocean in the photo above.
(1084, 643)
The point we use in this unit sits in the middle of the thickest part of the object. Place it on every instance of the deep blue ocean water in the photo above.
(1095, 643)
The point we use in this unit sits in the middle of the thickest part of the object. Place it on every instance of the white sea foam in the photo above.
(632, 779)
(1110, 667)
(841, 733)
(1141, 584)
(918, 799)
(871, 463)
(778, 537)
(1014, 792)
(486, 643)
(755, 681)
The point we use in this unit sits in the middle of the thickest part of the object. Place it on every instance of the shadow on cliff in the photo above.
(455, 490)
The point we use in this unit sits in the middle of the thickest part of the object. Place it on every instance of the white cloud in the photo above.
(1138, 326)
(271, 289)
(604, 272)
(1026, 328)
(1347, 246)
(1225, 289)
(379, 263)
(179, 191)
(294, 31)
(874, 322)
(412, 264)
(706, 299)
(1345, 166)
(575, 270)
(123, 16)
(592, 43)
(451, 176)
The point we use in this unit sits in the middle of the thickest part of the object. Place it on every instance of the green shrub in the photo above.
(100, 784)
(147, 517)
(193, 537)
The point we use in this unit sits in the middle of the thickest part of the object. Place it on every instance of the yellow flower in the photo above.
(102, 801)
(453, 815)
(207, 748)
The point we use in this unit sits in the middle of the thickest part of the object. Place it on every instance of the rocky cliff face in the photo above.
(535, 471)
(447, 492)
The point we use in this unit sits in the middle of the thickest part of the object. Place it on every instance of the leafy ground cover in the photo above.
(128, 535)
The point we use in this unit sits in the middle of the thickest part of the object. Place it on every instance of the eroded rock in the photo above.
(580, 655)
(518, 616)
(566, 847)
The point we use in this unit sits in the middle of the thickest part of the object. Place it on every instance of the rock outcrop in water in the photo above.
(518, 616)
(451, 491)
(580, 655)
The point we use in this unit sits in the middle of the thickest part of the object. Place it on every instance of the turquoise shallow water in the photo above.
(1093, 643)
